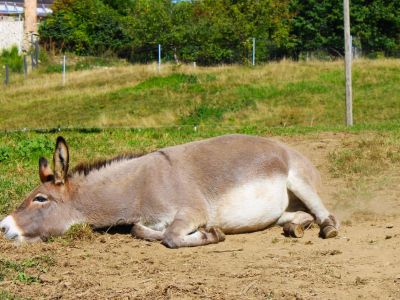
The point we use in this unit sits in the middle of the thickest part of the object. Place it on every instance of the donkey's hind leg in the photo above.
(142, 232)
(187, 231)
(294, 223)
(307, 194)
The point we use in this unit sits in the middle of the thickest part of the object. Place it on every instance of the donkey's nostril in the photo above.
(10, 229)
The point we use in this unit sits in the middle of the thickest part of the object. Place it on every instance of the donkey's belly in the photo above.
(251, 206)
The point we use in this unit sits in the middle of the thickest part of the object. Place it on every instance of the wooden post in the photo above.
(30, 22)
(347, 41)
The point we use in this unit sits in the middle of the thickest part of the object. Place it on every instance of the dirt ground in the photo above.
(362, 262)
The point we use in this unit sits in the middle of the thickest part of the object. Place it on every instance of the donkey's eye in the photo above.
(40, 199)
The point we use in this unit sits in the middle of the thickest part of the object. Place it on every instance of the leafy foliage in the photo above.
(84, 27)
(206, 31)
(219, 31)
(11, 58)
(318, 25)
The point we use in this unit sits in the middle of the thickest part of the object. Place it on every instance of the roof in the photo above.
(16, 7)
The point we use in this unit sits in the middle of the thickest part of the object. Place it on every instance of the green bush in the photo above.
(12, 58)
(219, 31)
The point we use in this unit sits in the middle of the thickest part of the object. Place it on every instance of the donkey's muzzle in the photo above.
(10, 228)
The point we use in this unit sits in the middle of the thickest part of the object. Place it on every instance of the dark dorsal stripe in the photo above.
(86, 167)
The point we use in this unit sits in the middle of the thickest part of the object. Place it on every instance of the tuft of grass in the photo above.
(173, 81)
(201, 114)
(274, 240)
(364, 157)
(26, 271)
(4, 295)
(79, 232)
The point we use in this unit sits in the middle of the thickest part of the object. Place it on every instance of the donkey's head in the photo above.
(47, 211)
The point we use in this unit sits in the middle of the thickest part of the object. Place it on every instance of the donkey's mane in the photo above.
(86, 167)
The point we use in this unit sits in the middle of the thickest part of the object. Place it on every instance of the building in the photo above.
(15, 9)
(18, 22)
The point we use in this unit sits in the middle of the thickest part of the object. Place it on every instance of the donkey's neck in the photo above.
(106, 196)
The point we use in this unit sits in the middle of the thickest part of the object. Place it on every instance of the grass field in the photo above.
(109, 110)
(277, 94)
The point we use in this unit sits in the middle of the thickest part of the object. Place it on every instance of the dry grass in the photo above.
(284, 93)
(79, 232)
(366, 156)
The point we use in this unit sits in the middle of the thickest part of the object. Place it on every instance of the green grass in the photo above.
(26, 271)
(4, 295)
(277, 94)
(366, 157)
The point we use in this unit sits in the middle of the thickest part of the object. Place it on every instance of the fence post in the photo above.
(63, 70)
(348, 58)
(159, 57)
(254, 52)
(37, 53)
(7, 80)
(32, 55)
(32, 61)
(25, 67)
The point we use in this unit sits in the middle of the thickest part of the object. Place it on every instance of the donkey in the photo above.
(187, 195)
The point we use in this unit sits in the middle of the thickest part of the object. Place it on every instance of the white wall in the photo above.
(11, 33)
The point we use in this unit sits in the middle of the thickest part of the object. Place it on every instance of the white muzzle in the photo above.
(10, 229)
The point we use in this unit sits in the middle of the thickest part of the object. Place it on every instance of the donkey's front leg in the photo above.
(186, 231)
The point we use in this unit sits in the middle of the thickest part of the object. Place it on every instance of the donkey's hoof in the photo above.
(329, 228)
(329, 232)
(293, 230)
(169, 243)
(217, 233)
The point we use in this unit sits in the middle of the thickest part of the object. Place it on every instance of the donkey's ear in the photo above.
(61, 161)
(45, 173)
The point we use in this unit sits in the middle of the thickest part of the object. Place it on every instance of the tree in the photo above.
(84, 27)
(318, 25)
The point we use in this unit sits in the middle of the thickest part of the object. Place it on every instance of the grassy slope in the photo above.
(276, 94)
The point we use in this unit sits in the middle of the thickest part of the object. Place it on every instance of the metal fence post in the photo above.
(159, 57)
(63, 70)
(254, 52)
(25, 67)
(37, 53)
(32, 60)
(7, 80)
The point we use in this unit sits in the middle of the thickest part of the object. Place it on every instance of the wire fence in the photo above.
(253, 53)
